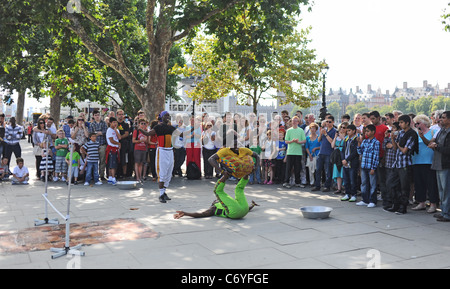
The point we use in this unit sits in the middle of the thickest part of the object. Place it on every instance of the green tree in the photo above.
(335, 109)
(440, 103)
(423, 105)
(21, 51)
(401, 104)
(292, 71)
(359, 107)
(446, 19)
(105, 27)
(383, 109)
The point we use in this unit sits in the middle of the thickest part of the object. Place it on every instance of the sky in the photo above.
(378, 42)
(381, 42)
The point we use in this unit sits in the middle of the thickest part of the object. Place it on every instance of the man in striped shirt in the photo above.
(13, 134)
(91, 150)
(405, 145)
(370, 159)
(99, 127)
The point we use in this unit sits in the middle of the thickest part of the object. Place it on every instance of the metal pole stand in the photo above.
(75, 250)
(67, 249)
(46, 220)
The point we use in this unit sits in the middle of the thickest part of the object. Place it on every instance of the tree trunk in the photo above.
(154, 99)
(20, 107)
(255, 100)
(55, 107)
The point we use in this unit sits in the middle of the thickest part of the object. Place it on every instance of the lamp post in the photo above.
(89, 109)
(323, 110)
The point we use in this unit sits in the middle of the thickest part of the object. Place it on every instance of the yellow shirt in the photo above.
(240, 164)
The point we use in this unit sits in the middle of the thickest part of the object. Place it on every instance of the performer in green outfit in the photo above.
(226, 206)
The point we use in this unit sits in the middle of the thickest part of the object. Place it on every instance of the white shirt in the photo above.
(20, 172)
(436, 128)
(112, 133)
(209, 144)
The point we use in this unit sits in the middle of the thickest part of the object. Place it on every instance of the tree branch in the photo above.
(203, 19)
(116, 46)
(118, 66)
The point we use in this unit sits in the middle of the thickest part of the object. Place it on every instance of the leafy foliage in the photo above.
(292, 71)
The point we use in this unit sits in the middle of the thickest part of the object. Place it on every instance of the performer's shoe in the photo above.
(166, 197)
(162, 199)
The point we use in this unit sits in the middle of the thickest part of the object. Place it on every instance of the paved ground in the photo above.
(274, 235)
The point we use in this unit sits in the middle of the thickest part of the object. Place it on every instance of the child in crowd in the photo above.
(74, 166)
(20, 173)
(140, 149)
(338, 144)
(312, 150)
(90, 149)
(350, 163)
(83, 167)
(61, 146)
(280, 164)
(4, 169)
(46, 166)
(112, 150)
(370, 158)
(256, 175)
(268, 160)
(392, 184)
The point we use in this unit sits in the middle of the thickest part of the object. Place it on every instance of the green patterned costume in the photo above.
(228, 207)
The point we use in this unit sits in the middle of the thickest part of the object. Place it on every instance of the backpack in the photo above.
(193, 171)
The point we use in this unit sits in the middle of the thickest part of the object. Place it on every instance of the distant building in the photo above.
(414, 93)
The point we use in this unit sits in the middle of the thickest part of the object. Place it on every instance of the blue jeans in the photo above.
(91, 168)
(368, 186)
(350, 181)
(443, 182)
(257, 175)
(323, 161)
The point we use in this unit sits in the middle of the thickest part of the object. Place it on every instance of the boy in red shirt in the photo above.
(380, 132)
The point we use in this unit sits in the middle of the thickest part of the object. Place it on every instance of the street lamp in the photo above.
(89, 109)
(323, 110)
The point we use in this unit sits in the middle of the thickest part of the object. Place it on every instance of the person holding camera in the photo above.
(79, 133)
(424, 177)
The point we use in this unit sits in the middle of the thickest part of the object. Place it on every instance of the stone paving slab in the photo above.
(274, 235)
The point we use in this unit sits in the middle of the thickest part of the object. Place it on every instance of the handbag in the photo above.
(37, 150)
(335, 158)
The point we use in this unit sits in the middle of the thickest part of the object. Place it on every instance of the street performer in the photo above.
(235, 162)
(164, 153)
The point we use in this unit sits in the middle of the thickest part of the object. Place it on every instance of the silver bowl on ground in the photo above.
(126, 185)
(316, 212)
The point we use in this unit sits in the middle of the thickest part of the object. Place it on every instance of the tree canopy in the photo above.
(110, 30)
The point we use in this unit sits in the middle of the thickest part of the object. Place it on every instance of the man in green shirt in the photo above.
(295, 137)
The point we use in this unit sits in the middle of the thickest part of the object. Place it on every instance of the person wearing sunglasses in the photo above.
(326, 137)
